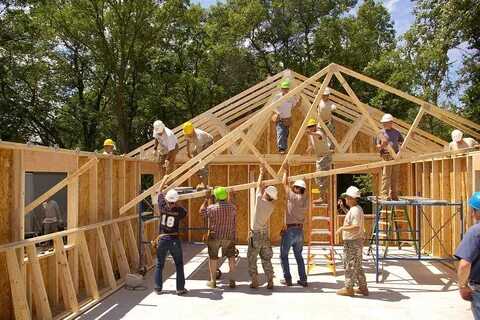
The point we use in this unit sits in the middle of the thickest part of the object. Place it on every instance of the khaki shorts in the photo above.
(228, 248)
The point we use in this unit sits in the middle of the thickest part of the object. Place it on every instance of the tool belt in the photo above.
(295, 225)
(155, 241)
(286, 121)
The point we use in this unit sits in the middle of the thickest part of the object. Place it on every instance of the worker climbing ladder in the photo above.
(320, 234)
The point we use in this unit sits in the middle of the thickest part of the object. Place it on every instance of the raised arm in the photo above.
(285, 182)
(206, 202)
(260, 187)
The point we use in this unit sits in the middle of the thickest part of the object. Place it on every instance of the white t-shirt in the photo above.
(354, 217)
(326, 109)
(464, 144)
(167, 141)
(261, 214)
(285, 109)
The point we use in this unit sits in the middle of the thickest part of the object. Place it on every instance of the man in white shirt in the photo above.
(283, 116)
(459, 142)
(197, 141)
(325, 109)
(166, 147)
(353, 235)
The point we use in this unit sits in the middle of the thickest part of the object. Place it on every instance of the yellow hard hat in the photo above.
(311, 122)
(109, 142)
(188, 128)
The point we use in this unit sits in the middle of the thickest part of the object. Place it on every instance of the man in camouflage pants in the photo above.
(259, 240)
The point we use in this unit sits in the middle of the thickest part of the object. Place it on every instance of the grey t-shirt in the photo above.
(469, 250)
(296, 208)
(394, 138)
(261, 214)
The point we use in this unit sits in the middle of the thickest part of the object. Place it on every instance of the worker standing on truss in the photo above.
(197, 141)
(259, 239)
(468, 252)
(222, 223)
(282, 116)
(319, 145)
(459, 142)
(168, 241)
(292, 235)
(390, 174)
(353, 234)
(325, 110)
(108, 147)
(166, 147)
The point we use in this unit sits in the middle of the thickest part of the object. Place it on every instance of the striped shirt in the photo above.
(221, 218)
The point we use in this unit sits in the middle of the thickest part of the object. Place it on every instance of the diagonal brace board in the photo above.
(411, 131)
(352, 133)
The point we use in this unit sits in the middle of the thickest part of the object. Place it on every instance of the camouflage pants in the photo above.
(259, 243)
(354, 274)
(323, 164)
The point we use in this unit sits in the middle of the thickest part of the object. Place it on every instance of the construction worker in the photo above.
(259, 239)
(326, 108)
(166, 147)
(221, 221)
(168, 241)
(197, 141)
(352, 233)
(109, 147)
(292, 234)
(52, 218)
(468, 252)
(459, 142)
(391, 174)
(319, 145)
(282, 116)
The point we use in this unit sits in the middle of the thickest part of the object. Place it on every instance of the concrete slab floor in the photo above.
(411, 290)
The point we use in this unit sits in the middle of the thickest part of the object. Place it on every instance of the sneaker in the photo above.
(286, 282)
(158, 291)
(302, 283)
(182, 292)
(348, 292)
(270, 284)
(362, 291)
(212, 284)
(231, 284)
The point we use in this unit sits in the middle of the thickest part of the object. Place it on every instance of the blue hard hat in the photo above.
(474, 201)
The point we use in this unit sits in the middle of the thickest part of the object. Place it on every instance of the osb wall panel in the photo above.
(6, 205)
(194, 217)
(239, 174)
(83, 195)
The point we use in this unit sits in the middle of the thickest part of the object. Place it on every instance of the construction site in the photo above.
(86, 270)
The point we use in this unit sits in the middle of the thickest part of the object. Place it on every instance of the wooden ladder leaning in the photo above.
(320, 233)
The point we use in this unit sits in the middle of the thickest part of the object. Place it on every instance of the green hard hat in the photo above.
(220, 193)
(285, 84)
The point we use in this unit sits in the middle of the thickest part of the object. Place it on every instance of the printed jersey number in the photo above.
(170, 221)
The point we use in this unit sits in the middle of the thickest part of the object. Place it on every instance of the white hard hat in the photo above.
(457, 135)
(387, 117)
(327, 91)
(158, 127)
(353, 192)
(272, 192)
(171, 196)
(300, 183)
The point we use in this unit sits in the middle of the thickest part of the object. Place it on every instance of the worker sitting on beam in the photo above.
(259, 238)
(197, 141)
(319, 144)
(221, 220)
(292, 234)
(108, 147)
(459, 142)
(166, 147)
(283, 116)
(168, 241)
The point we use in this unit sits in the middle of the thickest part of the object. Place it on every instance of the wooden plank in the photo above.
(87, 267)
(36, 161)
(42, 306)
(72, 222)
(119, 251)
(457, 196)
(352, 133)
(224, 131)
(17, 286)
(105, 259)
(17, 217)
(132, 245)
(436, 216)
(93, 213)
(59, 186)
(66, 283)
(410, 133)
(446, 234)
(259, 156)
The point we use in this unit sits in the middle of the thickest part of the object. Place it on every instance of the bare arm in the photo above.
(189, 152)
(205, 203)
(285, 182)
(259, 181)
(463, 273)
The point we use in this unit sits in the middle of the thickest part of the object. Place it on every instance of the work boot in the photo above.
(362, 291)
(286, 282)
(303, 283)
(212, 284)
(231, 284)
(348, 292)
(254, 283)
(182, 292)
(158, 291)
(270, 283)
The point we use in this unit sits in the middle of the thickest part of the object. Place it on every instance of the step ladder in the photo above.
(321, 226)
(394, 227)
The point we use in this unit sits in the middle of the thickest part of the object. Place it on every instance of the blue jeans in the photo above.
(476, 304)
(293, 237)
(282, 136)
(174, 246)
